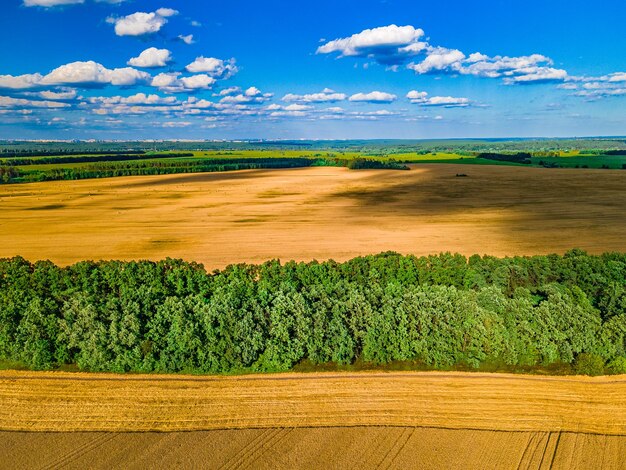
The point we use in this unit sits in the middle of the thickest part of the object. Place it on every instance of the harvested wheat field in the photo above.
(316, 213)
(334, 420)
(308, 448)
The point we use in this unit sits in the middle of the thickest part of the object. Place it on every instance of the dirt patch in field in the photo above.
(316, 213)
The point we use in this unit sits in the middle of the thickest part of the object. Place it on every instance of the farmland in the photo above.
(315, 213)
(397, 420)
(346, 417)
(30, 162)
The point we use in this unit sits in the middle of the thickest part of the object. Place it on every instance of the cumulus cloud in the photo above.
(136, 99)
(337, 113)
(393, 45)
(151, 57)
(617, 77)
(77, 74)
(229, 91)
(166, 12)
(594, 88)
(326, 96)
(91, 73)
(535, 68)
(251, 96)
(57, 95)
(373, 97)
(174, 83)
(216, 68)
(50, 3)
(291, 107)
(20, 82)
(421, 98)
(386, 44)
(197, 82)
(173, 124)
(439, 59)
(10, 102)
(141, 23)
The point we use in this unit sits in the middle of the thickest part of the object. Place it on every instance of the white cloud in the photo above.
(136, 99)
(617, 77)
(291, 107)
(373, 97)
(166, 12)
(50, 3)
(186, 39)
(421, 98)
(216, 68)
(54, 3)
(534, 68)
(439, 59)
(251, 96)
(61, 95)
(336, 113)
(537, 74)
(594, 88)
(20, 82)
(173, 83)
(9, 102)
(386, 44)
(326, 96)
(288, 114)
(174, 124)
(229, 91)
(151, 57)
(91, 73)
(196, 82)
(392, 45)
(140, 23)
(164, 80)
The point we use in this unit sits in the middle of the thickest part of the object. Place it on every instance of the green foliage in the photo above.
(364, 164)
(440, 311)
(618, 365)
(589, 364)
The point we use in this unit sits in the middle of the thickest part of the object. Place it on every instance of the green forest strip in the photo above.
(165, 164)
(57, 160)
(440, 311)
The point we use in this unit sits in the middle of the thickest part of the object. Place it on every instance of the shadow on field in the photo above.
(535, 194)
(160, 180)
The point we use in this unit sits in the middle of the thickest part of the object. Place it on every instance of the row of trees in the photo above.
(134, 165)
(167, 165)
(442, 311)
(115, 157)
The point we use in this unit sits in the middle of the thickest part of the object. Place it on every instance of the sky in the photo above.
(341, 69)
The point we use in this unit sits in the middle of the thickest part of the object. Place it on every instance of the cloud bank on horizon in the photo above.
(176, 67)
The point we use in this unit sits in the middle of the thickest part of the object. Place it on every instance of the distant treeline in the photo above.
(364, 164)
(108, 167)
(137, 168)
(8, 153)
(520, 157)
(116, 157)
(615, 152)
(439, 311)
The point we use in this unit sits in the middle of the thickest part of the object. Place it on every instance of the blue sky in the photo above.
(190, 69)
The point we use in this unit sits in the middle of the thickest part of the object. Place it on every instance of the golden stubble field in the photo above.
(316, 213)
(323, 420)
